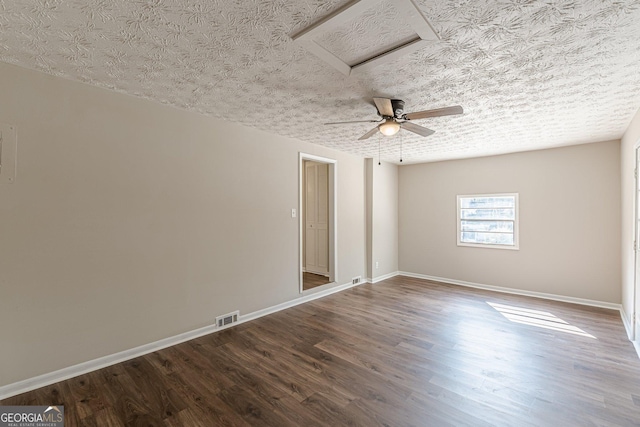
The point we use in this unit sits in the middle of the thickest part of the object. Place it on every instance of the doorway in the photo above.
(317, 221)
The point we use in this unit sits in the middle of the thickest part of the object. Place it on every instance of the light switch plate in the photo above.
(293, 213)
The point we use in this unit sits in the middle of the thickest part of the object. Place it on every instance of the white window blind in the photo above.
(488, 220)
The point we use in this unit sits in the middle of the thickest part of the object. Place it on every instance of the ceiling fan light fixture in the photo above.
(392, 110)
(389, 127)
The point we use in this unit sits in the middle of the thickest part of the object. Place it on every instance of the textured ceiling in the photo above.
(359, 39)
(529, 74)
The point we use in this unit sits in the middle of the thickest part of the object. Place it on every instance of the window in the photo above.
(488, 221)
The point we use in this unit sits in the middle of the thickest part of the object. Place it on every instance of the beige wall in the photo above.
(627, 157)
(569, 221)
(382, 217)
(131, 221)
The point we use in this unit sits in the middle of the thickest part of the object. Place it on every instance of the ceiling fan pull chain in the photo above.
(401, 147)
(379, 138)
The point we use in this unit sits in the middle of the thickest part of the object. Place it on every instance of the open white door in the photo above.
(316, 218)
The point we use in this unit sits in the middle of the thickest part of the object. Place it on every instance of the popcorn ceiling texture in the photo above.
(359, 39)
(530, 74)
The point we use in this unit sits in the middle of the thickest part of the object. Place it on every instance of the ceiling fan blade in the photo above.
(447, 111)
(369, 134)
(420, 130)
(357, 121)
(384, 106)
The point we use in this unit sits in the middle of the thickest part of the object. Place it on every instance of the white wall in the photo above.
(382, 219)
(131, 221)
(627, 158)
(569, 221)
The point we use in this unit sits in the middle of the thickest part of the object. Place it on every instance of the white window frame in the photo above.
(516, 223)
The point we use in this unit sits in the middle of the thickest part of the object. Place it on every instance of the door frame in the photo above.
(333, 210)
(636, 241)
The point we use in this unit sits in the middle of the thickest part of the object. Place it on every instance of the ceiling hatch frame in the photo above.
(414, 17)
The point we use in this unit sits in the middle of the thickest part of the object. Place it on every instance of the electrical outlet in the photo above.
(377, 265)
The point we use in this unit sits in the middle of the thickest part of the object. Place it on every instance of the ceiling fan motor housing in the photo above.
(398, 107)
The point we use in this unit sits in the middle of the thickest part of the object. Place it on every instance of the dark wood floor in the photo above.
(398, 353)
(311, 280)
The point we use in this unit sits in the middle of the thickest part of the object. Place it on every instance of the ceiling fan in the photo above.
(393, 118)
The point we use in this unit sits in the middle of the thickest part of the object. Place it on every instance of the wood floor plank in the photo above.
(334, 415)
(164, 401)
(185, 417)
(252, 408)
(402, 352)
(108, 418)
(355, 379)
(311, 280)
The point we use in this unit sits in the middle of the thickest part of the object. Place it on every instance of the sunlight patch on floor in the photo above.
(541, 319)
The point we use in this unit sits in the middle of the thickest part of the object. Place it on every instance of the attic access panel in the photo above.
(408, 28)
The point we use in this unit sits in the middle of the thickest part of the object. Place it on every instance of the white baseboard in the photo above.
(102, 362)
(627, 324)
(297, 301)
(554, 297)
(636, 344)
(383, 277)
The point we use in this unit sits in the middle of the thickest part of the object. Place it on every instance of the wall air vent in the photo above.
(356, 280)
(227, 319)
